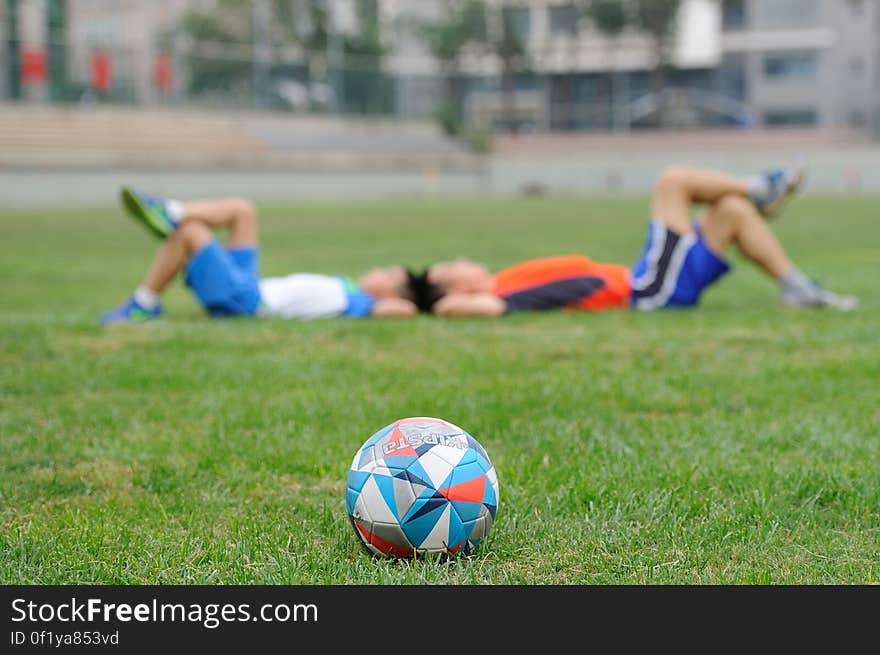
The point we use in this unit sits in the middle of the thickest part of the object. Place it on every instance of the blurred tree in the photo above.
(657, 18)
(609, 17)
(367, 89)
(12, 45)
(465, 23)
(222, 43)
(56, 28)
(231, 52)
(510, 50)
(492, 30)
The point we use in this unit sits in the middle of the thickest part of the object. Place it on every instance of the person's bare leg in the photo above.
(145, 302)
(175, 251)
(237, 215)
(679, 188)
(733, 219)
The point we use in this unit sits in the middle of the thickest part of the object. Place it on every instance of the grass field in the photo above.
(736, 443)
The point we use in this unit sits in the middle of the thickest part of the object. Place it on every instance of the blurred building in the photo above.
(804, 62)
(733, 63)
(736, 62)
(64, 50)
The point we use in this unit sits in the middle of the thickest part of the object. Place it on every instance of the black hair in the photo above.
(424, 293)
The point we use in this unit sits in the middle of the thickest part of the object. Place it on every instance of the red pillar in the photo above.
(102, 72)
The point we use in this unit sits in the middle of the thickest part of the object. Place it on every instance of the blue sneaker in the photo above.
(131, 312)
(151, 211)
(779, 185)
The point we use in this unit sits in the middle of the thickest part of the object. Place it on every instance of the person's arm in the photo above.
(394, 308)
(470, 304)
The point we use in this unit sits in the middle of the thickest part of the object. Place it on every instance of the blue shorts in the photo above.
(226, 281)
(674, 269)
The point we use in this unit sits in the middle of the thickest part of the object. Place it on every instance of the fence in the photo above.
(232, 76)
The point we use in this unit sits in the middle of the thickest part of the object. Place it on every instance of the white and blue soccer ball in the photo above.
(421, 486)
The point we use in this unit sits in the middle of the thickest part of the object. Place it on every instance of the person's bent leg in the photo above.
(679, 188)
(186, 241)
(164, 216)
(733, 219)
(236, 215)
(172, 256)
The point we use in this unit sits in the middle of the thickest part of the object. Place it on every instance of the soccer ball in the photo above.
(421, 486)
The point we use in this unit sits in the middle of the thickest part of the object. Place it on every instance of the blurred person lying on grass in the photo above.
(225, 278)
(683, 255)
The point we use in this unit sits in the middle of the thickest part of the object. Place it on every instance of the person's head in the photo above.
(459, 276)
(386, 282)
(428, 286)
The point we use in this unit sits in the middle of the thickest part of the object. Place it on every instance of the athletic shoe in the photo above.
(819, 297)
(131, 312)
(151, 211)
(778, 186)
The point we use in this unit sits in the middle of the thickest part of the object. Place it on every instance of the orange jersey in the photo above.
(569, 281)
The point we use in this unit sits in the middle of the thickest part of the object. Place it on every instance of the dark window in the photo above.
(787, 14)
(856, 8)
(519, 22)
(564, 19)
(730, 76)
(791, 117)
(857, 65)
(733, 15)
(791, 66)
(877, 71)
(857, 118)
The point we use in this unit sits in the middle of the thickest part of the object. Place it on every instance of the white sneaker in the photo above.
(779, 186)
(820, 297)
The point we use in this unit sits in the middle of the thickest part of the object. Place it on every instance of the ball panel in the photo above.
(373, 503)
(467, 482)
(468, 511)
(438, 537)
(477, 530)
(451, 452)
(420, 525)
(437, 468)
(390, 537)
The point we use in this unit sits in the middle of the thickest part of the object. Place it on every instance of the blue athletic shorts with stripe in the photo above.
(674, 269)
(225, 280)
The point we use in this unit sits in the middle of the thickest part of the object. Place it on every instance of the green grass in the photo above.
(736, 443)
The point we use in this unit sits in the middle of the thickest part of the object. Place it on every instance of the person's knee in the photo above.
(672, 179)
(193, 234)
(244, 210)
(733, 205)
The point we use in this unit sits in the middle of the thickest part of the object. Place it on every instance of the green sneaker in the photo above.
(151, 211)
(130, 312)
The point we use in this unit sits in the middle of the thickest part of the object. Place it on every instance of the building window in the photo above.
(858, 119)
(730, 77)
(564, 19)
(791, 117)
(519, 21)
(856, 8)
(877, 73)
(791, 66)
(786, 14)
(733, 15)
(857, 65)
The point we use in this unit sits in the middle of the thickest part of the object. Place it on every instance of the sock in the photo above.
(146, 298)
(174, 211)
(794, 281)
